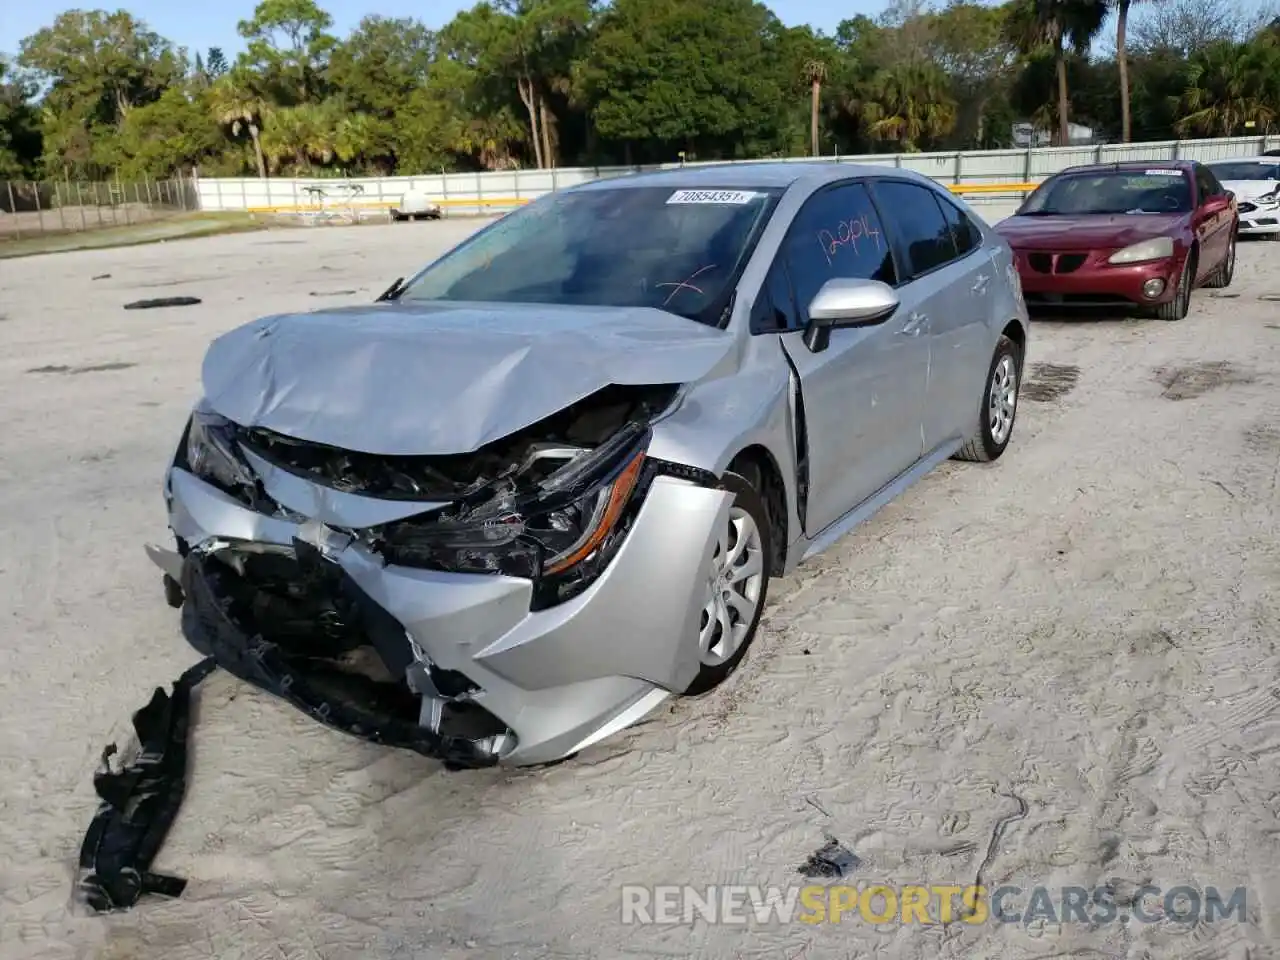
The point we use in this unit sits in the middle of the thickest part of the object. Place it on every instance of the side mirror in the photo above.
(842, 302)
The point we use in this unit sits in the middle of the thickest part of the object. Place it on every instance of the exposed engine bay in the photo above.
(550, 503)
(529, 454)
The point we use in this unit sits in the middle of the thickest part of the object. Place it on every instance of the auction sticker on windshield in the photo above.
(1162, 173)
(712, 196)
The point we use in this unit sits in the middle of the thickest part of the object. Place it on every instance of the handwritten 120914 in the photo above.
(847, 233)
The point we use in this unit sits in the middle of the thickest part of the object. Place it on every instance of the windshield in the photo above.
(1111, 191)
(677, 250)
(1246, 171)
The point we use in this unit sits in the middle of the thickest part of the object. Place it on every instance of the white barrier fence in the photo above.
(999, 175)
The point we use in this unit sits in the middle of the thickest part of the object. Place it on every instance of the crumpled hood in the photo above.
(1089, 231)
(428, 379)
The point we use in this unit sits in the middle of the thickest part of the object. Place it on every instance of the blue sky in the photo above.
(200, 25)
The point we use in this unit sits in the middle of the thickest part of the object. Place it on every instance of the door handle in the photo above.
(981, 283)
(915, 324)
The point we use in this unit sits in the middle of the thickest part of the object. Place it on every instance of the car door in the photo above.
(862, 393)
(953, 291)
(1212, 220)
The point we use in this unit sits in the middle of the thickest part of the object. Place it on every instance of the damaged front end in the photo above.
(368, 590)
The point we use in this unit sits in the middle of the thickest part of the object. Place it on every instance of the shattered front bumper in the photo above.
(529, 687)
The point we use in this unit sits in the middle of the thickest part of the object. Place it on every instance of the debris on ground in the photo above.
(139, 802)
(830, 860)
(102, 276)
(333, 293)
(92, 368)
(162, 302)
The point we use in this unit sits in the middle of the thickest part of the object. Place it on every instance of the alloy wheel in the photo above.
(734, 589)
(1003, 399)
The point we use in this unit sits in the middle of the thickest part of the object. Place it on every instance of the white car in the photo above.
(416, 205)
(1256, 183)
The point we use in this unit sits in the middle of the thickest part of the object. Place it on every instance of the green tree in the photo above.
(650, 81)
(1034, 26)
(969, 42)
(19, 125)
(175, 132)
(215, 63)
(1228, 85)
(237, 106)
(96, 68)
(909, 104)
(381, 63)
(288, 48)
(528, 45)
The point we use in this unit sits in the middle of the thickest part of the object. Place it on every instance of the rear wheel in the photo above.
(737, 582)
(999, 405)
(1177, 308)
(1226, 270)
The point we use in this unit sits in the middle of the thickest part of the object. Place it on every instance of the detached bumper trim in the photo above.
(211, 628)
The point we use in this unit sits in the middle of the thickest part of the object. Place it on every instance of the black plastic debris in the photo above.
(139, 803)
(102, 276)
(830, 860)
(162, 302)
(351, 703)
(91, 368)
(332, 293)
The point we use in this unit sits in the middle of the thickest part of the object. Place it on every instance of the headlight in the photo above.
(563, 528)
(211, 452)
(1160, 248)
(1268, 199)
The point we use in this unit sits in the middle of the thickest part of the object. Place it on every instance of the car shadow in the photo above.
(1093, 315)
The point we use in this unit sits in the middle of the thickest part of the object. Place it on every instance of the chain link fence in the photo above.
(51, 207)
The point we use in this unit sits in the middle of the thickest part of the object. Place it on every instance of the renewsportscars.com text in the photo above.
(926, 905)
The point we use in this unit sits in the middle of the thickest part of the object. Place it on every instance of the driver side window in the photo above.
(1207, 184)
(837, 233)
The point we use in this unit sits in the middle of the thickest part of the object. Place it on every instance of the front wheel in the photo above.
(737, 582)
(1178, 307)
(999, 405)
(1226, 270)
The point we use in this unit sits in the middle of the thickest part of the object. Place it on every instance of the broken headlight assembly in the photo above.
(560, 531)
(209, 451)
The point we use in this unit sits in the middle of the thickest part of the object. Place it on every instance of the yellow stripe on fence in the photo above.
(338, 206)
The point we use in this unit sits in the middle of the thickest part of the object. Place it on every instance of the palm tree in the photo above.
(910, 103)
(1228, 85)
(815, 71)
(1035, 25)
(1122, 62)
(237, 105)
(300, 135)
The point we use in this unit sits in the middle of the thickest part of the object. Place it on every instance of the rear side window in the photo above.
(964, 232)
(916, 220)
(837, 233)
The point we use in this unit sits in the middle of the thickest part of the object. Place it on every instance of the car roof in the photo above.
(1269, 161)
(1183, 165)
(759, 175)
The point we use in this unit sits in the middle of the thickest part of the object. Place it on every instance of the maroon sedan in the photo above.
(1124, 235)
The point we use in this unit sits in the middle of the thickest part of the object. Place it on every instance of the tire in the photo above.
(719, 662)
(992, 438)
(1178, 307)
(1226, 270)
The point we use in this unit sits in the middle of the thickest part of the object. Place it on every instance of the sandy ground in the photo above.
(1089, 625)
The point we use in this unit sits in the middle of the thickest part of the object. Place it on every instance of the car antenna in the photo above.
(392, 292)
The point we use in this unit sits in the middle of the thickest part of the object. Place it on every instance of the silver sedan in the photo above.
(509, 508)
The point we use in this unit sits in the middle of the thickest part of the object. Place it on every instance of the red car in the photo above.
(1138, 234)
